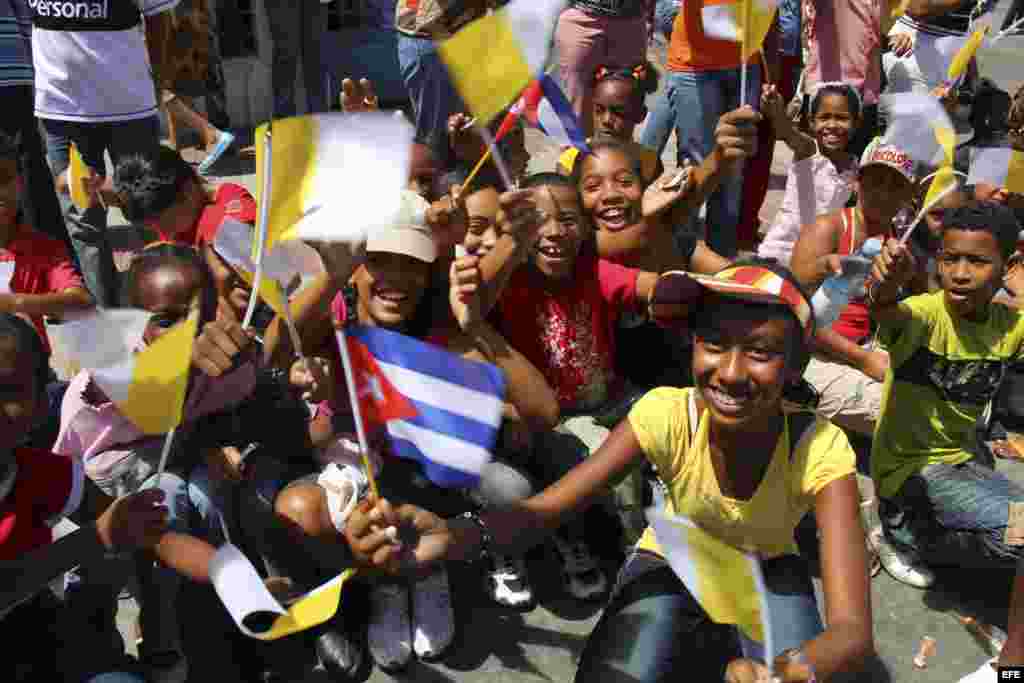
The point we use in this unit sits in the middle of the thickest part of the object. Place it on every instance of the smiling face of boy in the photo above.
(561, 238)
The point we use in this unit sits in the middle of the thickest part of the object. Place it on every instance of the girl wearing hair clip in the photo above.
(617, 108)
(735, 460)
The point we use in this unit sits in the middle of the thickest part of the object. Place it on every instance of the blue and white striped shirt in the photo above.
(15, 43)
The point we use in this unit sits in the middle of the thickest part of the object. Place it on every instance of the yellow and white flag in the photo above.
(147, 385)
(920, 126)
(286, 261)
(741, 21)
(963, 56)
(349, 167)
(944, 180)
(727, 582)
(494, 57)
(256, 612)
(999, 166)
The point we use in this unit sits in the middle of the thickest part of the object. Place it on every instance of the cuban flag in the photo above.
(438, 408)
(544, 106)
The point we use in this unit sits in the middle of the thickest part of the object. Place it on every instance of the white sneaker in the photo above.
(433, 617)
(985, 674)
(584, 578)
(900, 565)
(508, 583)
(388, 634)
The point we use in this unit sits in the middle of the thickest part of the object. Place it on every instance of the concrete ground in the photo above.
(498, 645)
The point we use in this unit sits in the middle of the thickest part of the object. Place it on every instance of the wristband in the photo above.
(797, 656)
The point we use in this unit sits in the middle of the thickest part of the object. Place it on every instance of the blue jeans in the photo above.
(430, 89)
(693, 102)
(954, 515)
(654, 630)
(87, 229)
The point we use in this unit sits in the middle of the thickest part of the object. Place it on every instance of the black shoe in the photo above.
(338, 652)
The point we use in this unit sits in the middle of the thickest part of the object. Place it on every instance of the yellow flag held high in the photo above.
(963, 57)
(944, 180)
(999, 166)
(148, 386)
(741, 21)
(727, 582)
(349, 168)
(256, 612)
(494, 57)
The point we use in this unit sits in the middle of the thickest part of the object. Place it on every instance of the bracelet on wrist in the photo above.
(798, 657)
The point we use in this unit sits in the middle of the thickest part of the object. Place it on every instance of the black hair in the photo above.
(9, 146)
(643, 77)
(547, 178)
(842, 90)
(161, 255)
(987, 216)
(486, 177)
(150, 182)
(601, 142)
(27, 339)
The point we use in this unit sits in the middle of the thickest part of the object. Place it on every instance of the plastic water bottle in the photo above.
(835, 292)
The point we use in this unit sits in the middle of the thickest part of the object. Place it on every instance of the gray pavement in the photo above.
(497, 645)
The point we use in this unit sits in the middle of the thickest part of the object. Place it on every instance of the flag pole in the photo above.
(925, 209)
(357, 412)
(261, 231)
(476, 169)
(748, 8)
(492, 150)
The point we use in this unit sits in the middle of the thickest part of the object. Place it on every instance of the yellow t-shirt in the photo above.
(942, 372)
(765, 523)
(647, 156)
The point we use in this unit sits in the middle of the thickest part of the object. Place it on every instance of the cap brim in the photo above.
(412, 243)
(676, 294)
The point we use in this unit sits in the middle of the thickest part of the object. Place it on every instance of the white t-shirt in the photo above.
(91, 60)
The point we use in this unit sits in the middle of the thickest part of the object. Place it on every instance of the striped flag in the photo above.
(493, 58)
(742, 21)
(285, 262)
(728, 583)
(999, 166)
(437, 408)
(148, 386)
(345, 169)
(544, 106)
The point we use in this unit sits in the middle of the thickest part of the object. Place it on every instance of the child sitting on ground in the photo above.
(162, 191)
(39, 488)
(947, 352)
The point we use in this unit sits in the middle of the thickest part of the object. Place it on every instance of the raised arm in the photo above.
(892, 269)
(773, 106)
(848, 640)
(55, 305)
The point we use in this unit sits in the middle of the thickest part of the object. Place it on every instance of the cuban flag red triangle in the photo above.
(379, 400)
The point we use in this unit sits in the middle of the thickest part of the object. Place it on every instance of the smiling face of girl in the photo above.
(611, 189)
(390, 288)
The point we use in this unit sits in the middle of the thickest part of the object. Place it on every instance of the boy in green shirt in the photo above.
(947, 353)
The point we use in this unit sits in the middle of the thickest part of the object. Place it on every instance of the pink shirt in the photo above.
(813, 187)
(843, 39)
(97, 432)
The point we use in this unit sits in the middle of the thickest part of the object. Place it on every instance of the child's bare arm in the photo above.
(774, 107)
(56, 305)
(521, 220)
(892, 269)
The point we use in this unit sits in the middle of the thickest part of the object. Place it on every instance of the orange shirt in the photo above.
(690, 50)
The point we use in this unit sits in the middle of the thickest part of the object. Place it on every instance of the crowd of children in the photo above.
(640, 366)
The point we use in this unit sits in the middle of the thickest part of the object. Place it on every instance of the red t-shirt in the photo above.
(47, 488)
(569, 333)
(42, 265)
(230, 201)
